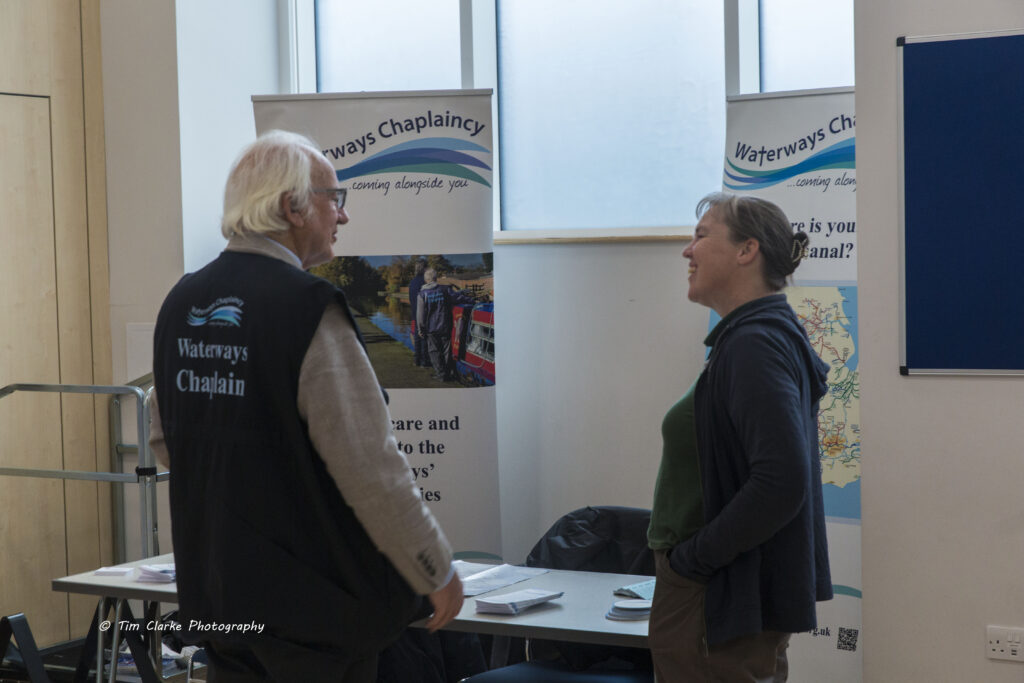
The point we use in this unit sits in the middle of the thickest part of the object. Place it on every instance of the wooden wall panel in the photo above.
(73, 295)
(24, 30)
(54, 307)
(99, 269)
(32, 532)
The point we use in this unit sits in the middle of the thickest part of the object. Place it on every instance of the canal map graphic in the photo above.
(829, 315)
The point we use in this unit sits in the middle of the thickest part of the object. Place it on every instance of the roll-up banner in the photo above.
(416, 263)
(797, 150)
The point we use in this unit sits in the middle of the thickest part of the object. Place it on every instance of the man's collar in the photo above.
(266, 246)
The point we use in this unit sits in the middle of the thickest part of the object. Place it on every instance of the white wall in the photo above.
(176, 87)
(943, 513)
(140, 111)
(594, 343)
(177, 83)
(227, 52)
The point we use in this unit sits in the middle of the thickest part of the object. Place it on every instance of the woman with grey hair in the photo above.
(737, 524)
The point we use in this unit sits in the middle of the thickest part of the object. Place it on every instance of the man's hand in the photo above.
(447, 602)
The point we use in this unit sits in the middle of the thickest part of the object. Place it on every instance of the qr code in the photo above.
(847, 639)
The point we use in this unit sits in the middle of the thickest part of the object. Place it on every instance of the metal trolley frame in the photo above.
(145, 475)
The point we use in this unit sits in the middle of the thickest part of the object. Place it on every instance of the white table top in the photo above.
(578, 616)
(121, 586)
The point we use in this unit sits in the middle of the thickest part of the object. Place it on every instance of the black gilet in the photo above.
(261, 532)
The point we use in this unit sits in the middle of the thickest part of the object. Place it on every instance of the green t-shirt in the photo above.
(677, 513)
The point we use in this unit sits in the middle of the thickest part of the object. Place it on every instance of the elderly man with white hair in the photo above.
(293, 511)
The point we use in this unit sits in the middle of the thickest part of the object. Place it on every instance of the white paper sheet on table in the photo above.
(156, 573)
(514, 603)
(481, 578)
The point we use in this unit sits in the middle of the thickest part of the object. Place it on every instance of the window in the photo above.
(387, 45)
(610, 114)
(806, 44)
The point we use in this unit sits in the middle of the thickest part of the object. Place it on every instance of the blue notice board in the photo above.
(962, 146)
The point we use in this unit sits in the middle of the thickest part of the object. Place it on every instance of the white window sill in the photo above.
(666, 234)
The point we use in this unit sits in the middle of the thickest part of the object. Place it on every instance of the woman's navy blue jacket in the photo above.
(762, 550)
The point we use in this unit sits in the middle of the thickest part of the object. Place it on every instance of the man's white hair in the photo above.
(277, 162)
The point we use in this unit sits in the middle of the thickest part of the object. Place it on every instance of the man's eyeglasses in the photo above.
(338, 194)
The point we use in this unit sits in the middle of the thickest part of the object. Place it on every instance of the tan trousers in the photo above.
(678, 644)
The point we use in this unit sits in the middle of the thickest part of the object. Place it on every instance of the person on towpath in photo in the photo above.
(419, 344)
(434, 322)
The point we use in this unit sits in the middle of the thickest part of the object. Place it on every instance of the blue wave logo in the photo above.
(222, 315)
(839, 155)
(442, 156)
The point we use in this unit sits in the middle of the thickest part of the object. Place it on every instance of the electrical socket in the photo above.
(1003, 642)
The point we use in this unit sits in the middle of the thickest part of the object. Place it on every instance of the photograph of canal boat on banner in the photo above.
(427, 319)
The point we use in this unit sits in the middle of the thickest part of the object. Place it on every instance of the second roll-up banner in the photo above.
(797, 149)
(416, 264)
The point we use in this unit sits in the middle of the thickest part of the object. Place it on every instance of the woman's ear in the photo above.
(749, 250)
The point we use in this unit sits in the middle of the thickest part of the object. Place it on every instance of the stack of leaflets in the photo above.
(643, 590)
(482, 578)
(629, 610)
(156, 573)
(514, 603)
(113, 571)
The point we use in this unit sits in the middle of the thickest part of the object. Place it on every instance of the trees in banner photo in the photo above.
(382, 292)
(354, 275)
